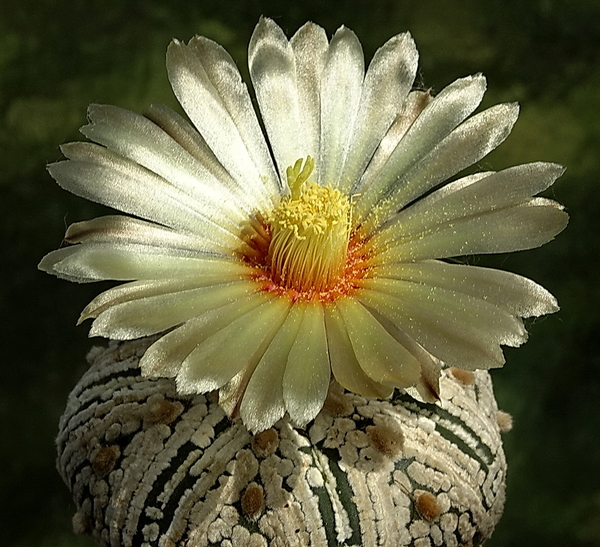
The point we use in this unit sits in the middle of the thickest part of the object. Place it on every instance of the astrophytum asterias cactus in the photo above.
(150, 467)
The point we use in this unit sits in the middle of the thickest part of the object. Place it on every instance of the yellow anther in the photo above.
(310, 233)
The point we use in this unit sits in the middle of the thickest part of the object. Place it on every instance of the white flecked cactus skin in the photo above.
(149, 467)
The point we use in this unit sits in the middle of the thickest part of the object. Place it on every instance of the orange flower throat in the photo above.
(304, 248)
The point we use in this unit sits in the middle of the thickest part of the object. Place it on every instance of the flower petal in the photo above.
(273, 72)
(514, 228)
(262, 403)
(100, 175)
(165, 356)
(385, 87)
(282, 92)
(122, 229)
(380, 356)
(415, 103)
(466, 145)
(190, 140)
(139, 139)
(237, 346)
(308, 372)
(147, 315)
(344, 364)
(471, 196)
(310, 47)
(427, 387)
(448, 109)
(461, 330)
(126, 262)
(212, 93)
(514, 293)
(341, 89)
(215, 273)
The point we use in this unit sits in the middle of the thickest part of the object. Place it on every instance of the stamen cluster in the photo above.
(310, 231)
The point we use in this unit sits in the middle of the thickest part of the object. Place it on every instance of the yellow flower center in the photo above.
(310, 231)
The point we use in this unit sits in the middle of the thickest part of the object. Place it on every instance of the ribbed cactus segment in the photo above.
(149, 467)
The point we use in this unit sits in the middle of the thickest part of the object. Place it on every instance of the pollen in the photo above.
(310, 233)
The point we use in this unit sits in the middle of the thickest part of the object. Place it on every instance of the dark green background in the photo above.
(58, 56)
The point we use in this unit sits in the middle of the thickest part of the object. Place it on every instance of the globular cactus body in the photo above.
(149, 467)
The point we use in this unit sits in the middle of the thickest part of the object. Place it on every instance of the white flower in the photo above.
(276, 261)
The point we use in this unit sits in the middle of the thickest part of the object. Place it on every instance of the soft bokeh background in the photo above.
(57, 56)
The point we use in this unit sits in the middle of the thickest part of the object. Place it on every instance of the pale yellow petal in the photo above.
(123, 229)
(344, 364)
(439, 326)
(93, 261)
(153, 314)
(238, 345)
(136, 290)
(427, 387)
(164, 357)
(514, 228)
(379, 354)
(308, 372)
(262, 403)
(507, 290)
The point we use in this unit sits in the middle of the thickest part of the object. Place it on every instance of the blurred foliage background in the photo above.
(56, 56)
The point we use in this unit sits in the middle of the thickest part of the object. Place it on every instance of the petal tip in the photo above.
(45, 265)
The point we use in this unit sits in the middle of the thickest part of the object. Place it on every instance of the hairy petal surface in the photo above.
(386, 85)
(415, 103)
(427, 387)
(341, 89)
(470, 196)
(380, 355)
(205, 79)
(515, 228)
(127, 262)
(97, 174)
(344, 364)
(263, 403)
(514, 293)
(310, 46)
(459, 329)
(166, 355)
(186, 136)
(466, 145)
(129, 230)
(153, 287)
(238, 345)
(147, 315)
(308, 372)
(287, 89)
(145, 142)
(448, 109)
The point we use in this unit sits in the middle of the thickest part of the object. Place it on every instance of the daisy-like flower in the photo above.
(277, 261)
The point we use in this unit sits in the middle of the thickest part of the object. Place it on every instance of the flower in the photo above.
(276, 262)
